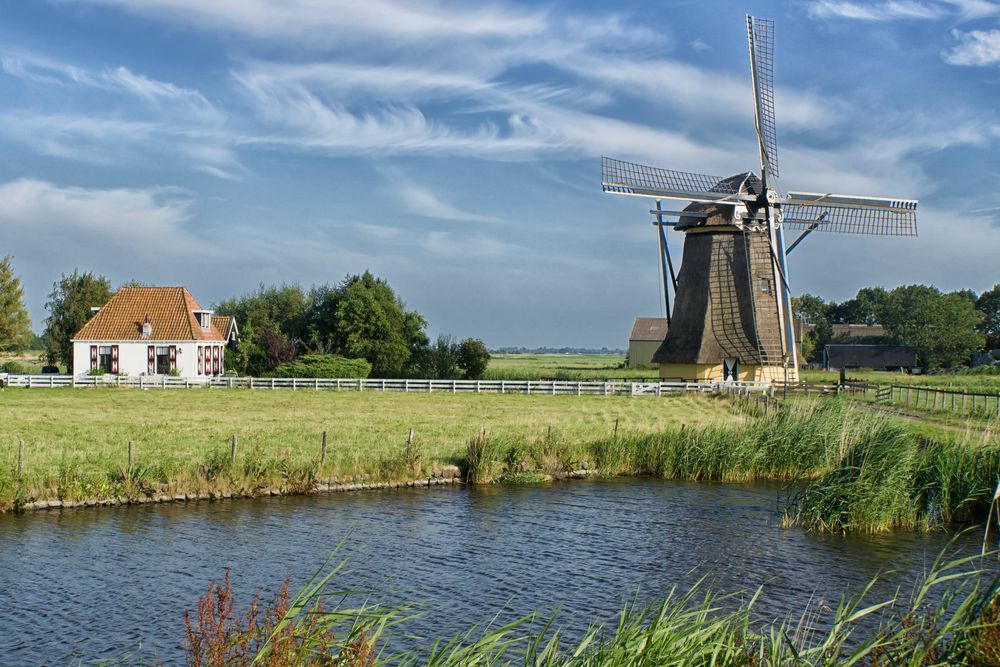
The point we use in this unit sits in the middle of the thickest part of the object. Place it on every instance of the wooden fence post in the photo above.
(616, 428)
(130, 455)
(548, 436)
(322, 451)
(232, 451)
(20, 459)
(409, 445)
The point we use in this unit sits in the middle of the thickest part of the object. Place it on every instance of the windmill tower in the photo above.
(732, 317)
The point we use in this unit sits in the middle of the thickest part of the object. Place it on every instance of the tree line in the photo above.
(323, 329)
(945, 328)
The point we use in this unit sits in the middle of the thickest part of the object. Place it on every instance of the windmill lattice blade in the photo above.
(760, 33)
(872, 220)
(627, 178)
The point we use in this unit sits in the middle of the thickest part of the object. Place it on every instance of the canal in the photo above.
(81, 585)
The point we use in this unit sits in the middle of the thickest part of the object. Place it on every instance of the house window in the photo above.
(162, 360)
(104, 361)
(765, 285)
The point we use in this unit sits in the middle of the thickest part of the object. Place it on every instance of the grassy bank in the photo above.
(849, 468)
(951, 618)
(76, 441)
(853, 469)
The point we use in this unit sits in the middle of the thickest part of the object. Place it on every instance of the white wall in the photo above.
(133, 359)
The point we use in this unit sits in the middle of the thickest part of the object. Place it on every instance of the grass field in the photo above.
(76, 440)
(31, 360)
(967, 381)
(562, 367)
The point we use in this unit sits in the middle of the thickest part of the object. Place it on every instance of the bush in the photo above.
(324, 366)
(14, 368)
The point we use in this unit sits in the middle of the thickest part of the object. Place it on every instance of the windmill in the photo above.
(732, 317)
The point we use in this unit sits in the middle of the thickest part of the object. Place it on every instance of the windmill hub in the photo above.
(732, 316)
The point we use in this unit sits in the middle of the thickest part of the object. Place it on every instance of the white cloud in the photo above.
(323, 21)
(32, 67)
(72, 221)
(977, 47)
(875, 11)
(421, 200)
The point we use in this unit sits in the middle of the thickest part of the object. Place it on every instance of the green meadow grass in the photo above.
(969, 381)
(76, 439)
(562, 367)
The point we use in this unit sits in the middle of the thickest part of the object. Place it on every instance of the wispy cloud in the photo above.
(875, 11)
(977, 47)
(32, 67)
(422, 201)
(320, 21)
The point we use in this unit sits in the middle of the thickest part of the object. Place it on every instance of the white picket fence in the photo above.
(549, 387)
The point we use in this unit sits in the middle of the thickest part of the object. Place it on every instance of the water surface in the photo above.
(80, 585)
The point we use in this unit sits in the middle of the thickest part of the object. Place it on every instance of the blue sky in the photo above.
(454, 147)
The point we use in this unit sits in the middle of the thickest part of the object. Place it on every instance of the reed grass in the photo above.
(950, 618)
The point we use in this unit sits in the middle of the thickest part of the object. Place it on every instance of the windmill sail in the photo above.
(849, 214)
(760, 33)
(627, 178)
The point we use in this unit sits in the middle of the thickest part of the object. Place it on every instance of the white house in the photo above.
(153, 331)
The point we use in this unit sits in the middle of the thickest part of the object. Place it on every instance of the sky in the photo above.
(453, 148)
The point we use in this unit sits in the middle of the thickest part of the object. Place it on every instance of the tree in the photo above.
(284, 308)
(15, 325)
(815, 311)
(944, 328)
(988, 304)
(473, 358)
(444, 358)
(69, 307)
(276, 349)
(863, 308)
(367, 319)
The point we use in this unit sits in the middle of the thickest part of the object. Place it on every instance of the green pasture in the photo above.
(967, 380)
(83, 433)
(562, 367)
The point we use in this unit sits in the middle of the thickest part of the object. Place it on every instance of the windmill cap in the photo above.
(720, 215)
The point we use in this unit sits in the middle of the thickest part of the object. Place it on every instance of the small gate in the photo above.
(883, 394)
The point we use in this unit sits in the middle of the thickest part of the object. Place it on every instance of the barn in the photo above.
(876, 357)
(647, 335)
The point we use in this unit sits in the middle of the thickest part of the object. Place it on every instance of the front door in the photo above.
(730, 370)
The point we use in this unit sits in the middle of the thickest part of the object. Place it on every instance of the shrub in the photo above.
(13, 367)
(324, 366)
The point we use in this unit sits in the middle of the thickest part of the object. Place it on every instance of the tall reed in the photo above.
(951, 618)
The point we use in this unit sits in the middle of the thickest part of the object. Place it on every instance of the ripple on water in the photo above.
(88, 584)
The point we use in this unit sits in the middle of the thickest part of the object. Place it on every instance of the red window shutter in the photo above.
(93, 356)
(222, 358)
(114, 358)
(201, 359)
(151, 359)
(215, 360)
(173, 357)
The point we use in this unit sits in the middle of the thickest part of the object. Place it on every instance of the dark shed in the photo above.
(869, 356)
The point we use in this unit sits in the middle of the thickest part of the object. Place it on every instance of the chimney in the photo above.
(147, 329)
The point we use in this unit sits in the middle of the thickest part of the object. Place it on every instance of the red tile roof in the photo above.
(221, 324)
(170, 311)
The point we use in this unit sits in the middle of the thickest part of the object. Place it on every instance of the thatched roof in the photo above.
(648, 329)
